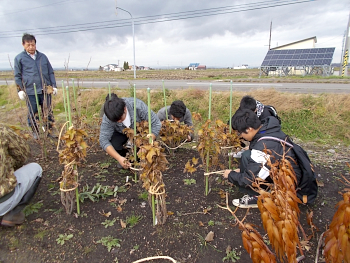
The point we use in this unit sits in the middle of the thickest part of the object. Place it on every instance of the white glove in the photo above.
(54, 91)
(22, 95)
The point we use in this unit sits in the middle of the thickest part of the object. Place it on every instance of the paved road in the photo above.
(219, 85)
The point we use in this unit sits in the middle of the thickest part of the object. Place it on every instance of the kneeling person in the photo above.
(177, 111)
(18, 183)
(253, 161)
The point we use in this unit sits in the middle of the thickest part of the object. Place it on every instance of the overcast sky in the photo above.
(225, 34)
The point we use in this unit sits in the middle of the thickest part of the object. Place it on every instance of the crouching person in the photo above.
(253, 161)
(18, 183)
(118, 115)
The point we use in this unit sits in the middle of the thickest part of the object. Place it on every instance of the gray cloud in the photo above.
(220, 40)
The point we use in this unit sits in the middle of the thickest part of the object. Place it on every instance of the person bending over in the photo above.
(261, 110)
(253, 161)
(118, 115)
(177, 111)
(18, 183)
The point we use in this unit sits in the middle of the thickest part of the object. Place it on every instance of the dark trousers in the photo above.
(46, 111)
(242, 167)
(118, 140)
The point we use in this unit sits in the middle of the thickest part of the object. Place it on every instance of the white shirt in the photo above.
(127, 121)
(32, 56)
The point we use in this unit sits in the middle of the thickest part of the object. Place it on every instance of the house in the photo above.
(298, 58)
(201, 67)
(193, 66)
(244, 66)
(112, 67)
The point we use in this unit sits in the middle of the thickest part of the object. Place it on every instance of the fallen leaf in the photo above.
(200, 223)
(209, 237)
(305, 245)
(122, 201)
(105, 214)
(170, 213)
(122, 223)
(119, 208)
(320, 183)
(39, 220)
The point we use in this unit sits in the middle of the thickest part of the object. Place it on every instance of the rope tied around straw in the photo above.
(175, 147)
(154, 189)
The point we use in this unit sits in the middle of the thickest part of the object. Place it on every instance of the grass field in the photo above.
(322, 118)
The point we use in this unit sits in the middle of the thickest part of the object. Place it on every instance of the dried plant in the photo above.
(73, 152)
(212, 138)
(152, 163)
(337, 237)
(279, 210)
(174, 133)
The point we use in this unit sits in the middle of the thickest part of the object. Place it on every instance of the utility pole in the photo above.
(345, 59)
(270, 36)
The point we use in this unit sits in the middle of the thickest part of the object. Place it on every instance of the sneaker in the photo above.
(246, 201)
(11, 219)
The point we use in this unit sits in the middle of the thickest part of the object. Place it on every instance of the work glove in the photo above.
(22, 95)
(54, 92)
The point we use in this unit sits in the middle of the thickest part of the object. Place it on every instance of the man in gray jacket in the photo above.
(33, 67)
(177, 111)
(118, 115)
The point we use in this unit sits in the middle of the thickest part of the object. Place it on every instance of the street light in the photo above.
(133, 35)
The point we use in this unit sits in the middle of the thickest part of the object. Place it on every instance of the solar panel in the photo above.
(299, 57)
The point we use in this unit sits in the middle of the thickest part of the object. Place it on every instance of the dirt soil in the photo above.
(192, 215)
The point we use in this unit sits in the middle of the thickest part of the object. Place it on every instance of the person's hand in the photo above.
(124, 162)
(226, 172)
(54, 92)
(22, 95)
(189, 138)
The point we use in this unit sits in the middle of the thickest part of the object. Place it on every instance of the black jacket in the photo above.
(257, 166)
(269, 111)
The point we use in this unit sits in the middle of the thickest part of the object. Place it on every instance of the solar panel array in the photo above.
(298, 57)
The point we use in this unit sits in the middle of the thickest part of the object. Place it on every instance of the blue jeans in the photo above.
(46, 115)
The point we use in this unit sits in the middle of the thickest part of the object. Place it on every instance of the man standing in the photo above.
(33, 67)
(18, 183)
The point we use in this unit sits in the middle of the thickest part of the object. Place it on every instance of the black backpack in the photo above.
(307, 186)
(273, 112)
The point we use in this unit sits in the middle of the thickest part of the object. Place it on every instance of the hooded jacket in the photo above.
(108, 127)
(29, 71)
(257, 166)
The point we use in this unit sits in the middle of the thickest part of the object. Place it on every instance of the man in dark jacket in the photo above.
(261, 110)
(253, 161)
(33, 67)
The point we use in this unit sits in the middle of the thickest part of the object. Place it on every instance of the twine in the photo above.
(227, 147)
(156, 257)
(59, 137)
(134, 169)
(70, 189)
(217, 172)
(154, 191)
(175, 147)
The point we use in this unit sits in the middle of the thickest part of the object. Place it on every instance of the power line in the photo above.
(153, 19)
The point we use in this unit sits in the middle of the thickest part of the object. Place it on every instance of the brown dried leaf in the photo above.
(122, 201)
(122, 223)
(209, 237)
(108, 214)
(200, 223)
(320, 183)
(170, 213)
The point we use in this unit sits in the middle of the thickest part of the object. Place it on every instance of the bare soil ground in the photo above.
(192, 215)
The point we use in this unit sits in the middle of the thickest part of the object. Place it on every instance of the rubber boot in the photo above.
(16, 215)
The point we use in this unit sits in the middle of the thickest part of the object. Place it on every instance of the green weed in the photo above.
(132, 220)
(231, 256)
(62, 238)
(40, 235)
(108, 223)
(211, 223)
(143, 196)
(189, 181)
(109, 242)
(32, 208)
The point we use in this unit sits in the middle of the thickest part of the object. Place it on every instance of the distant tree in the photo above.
(126, 65)
(100, 68)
